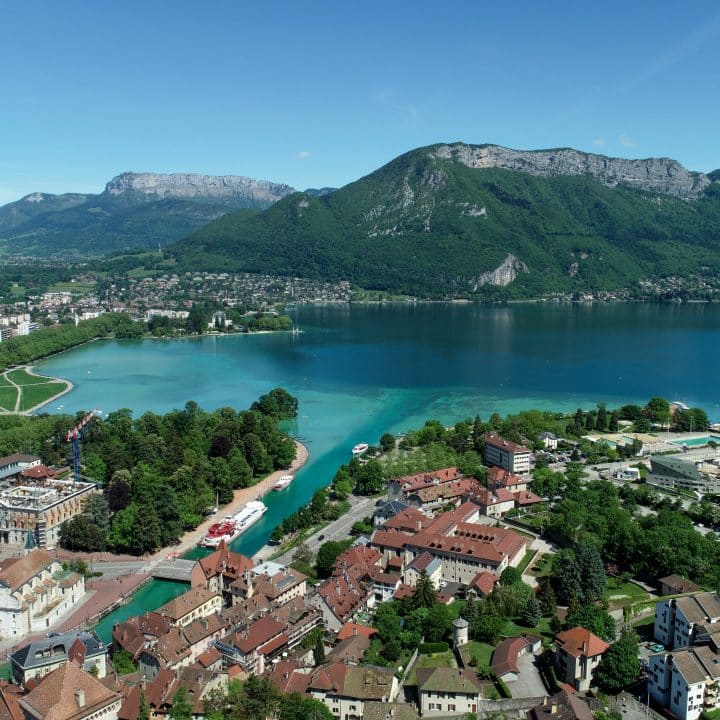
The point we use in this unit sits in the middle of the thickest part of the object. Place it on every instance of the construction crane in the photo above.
(73, 437)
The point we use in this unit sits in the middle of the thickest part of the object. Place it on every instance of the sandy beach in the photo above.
(242, 496)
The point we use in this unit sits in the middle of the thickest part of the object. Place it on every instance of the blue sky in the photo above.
(318, 93)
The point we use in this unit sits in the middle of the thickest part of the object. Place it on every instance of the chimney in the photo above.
(80, 697)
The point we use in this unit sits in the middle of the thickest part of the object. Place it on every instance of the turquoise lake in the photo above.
(361, 370)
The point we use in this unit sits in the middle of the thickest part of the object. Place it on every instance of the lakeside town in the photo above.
(436, 593)
(167, 298)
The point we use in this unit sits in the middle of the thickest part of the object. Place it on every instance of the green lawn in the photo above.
(529, 555)
(444, 659)
(542, 567)
(8, 395)
(616, 591)
(481, 651)
(35, 394)
(23, 377)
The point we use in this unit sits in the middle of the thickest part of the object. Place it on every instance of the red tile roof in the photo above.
(484, 582)
(578, 641)
(351, 629)
(499, 442)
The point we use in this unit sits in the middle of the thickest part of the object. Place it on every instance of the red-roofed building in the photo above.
(351, 629)
(494, 503)
(578, 654)
(483, 584)
(219, 570)
(498, 477)
(400, 488)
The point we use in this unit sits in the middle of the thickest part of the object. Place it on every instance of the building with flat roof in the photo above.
(674, 473)
(505, 454)
(35, 503)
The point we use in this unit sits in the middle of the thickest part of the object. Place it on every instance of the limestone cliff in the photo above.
(659, 175)
(192, 186)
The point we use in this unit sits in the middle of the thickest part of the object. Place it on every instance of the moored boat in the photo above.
(283, 482)
(360, 448)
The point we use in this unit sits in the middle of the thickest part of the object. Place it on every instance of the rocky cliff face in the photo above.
(659, 175)
(191, 186)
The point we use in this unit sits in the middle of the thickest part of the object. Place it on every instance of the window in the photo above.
(451, 708)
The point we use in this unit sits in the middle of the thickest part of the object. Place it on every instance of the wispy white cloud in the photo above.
(387, 97)
(302, 154)
(626, 141)
(599, 142)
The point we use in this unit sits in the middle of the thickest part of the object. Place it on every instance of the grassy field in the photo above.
(542, 567)
(36, 389)
(36, 394)
(8, 395)
(481, 651)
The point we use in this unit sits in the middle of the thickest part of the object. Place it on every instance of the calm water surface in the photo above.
(360, 371)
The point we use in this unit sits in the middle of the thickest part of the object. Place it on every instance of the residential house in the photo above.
(139, 632)
(41, 657)
(434, 497)
(448, 691)
(198, 602)
(549, 441)
(578, 653)
(505, 454)
(508, 651)
(400, 488)
(35, 592)
(686, 682)
(277, 583)
(561, 706)
(344, 689)
(482, 584)
(69, 693)
(677, 585)
(10, 702)
(677, 619)
(494, 503)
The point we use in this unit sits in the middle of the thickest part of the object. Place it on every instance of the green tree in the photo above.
(437, 622)
(613, 424)
(123, 663)
(510, 576)
(327, 554)
(591, 617)
(387, 442)
(592, 571)
(530, 614)
(619, 666)
(181, 708)
(424, 595)
(98, 512)
(369, 479)
(143, 708)
(602, 417)
(658, 410)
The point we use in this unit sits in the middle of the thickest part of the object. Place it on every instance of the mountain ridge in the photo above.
(448, 220)
(135, 210)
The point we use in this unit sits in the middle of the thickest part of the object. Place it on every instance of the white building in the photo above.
(505, 454)
(448, 691)
(685, 682)
(677, 619)
(35, 592)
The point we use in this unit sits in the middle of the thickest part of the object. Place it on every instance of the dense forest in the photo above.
(160, 473)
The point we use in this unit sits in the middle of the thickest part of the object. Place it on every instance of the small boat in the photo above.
(360, 448)
(283, 482)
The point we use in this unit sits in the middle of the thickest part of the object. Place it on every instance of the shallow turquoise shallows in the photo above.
(360, 371)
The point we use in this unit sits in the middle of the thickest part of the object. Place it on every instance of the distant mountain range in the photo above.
(448, 220)
(482, 221)
(136, 210)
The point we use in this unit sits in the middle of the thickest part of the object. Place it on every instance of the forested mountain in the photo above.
(136, 210)
(482, 221)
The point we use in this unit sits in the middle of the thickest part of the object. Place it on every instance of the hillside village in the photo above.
(450, 603)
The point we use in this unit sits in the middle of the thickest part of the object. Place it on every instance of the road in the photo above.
(337, 530)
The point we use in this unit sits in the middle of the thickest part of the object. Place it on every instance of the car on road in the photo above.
(657, 648)
(320, 537)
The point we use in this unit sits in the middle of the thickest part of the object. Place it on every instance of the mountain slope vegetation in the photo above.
(431, 225)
